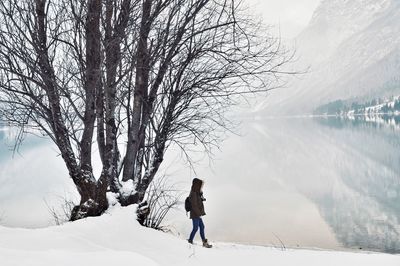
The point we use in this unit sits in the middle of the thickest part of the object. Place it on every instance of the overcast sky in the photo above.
(291, 15)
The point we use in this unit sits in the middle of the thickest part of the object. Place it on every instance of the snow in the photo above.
(128, 188)
(352, 50)
(117, 239)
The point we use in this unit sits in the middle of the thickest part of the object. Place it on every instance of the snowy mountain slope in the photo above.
(352, 50)
(117, 239)
(333, 22)
(365, 61)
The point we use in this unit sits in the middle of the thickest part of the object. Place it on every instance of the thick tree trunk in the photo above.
(93, 199)
(92, 82)
(113, 39)
(141, 86)
(93, 193)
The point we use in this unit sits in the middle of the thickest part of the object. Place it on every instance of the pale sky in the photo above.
(290, 15)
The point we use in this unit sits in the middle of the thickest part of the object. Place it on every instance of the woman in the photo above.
(197, 210)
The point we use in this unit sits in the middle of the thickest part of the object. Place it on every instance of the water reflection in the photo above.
(323, 182)
(364, 210)
(377, 121)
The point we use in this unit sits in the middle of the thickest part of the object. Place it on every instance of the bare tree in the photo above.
(162, 196)
(62, 213)
(132, 77)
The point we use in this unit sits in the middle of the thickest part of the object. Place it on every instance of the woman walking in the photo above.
(197, 210)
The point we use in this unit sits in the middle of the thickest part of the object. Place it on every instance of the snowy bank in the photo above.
(117, 239)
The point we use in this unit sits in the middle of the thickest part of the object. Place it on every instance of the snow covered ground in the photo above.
(117, 239)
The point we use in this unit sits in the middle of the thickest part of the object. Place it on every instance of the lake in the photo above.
(330, 183)
(308, 182)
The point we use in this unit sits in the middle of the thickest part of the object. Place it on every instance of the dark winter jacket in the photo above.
(196, 199)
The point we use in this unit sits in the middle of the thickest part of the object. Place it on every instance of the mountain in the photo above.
(390, 107)
(352, 49)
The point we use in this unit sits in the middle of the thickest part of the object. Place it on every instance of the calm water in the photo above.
(308, 182)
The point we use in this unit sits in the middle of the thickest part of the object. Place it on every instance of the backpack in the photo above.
(188, 205)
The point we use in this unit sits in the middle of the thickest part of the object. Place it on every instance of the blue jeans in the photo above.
(197, 222)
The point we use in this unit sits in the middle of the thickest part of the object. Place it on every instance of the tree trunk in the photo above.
(141, 86)
(93, 193)
(93, 199)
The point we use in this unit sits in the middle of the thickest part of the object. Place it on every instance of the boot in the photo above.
(206, 244)
(190, 241)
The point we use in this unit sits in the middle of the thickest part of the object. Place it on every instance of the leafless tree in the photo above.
(131, 77)
(162, 196)
(62, 213)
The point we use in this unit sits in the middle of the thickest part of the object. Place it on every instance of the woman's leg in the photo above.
(196, 222)
(201, 225)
